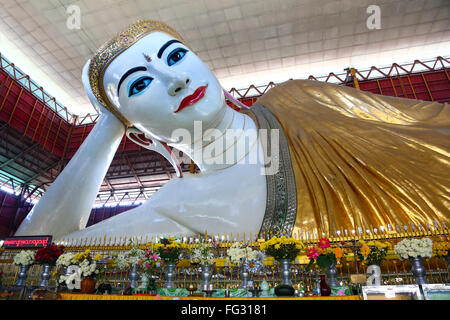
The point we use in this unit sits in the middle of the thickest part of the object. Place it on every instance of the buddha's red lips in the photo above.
(193, 98)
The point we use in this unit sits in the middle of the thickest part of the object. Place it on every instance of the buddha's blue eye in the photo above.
(176, 55)
(139, 86)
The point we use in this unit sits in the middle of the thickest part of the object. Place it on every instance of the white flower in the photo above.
(66, 259)
(24, 258)
(412, 248)
(236, 254)
(121, 262)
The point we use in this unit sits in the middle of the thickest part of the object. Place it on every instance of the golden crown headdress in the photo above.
(113, 48)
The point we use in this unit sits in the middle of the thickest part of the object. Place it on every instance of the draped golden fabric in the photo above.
(361, 159)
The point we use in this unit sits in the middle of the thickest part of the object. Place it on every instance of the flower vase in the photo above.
(170, 275)
(22, 275)
(133, 276)
(87, 285)
(373, 275)
(285, 289)
(206, 275)
(325, 289)
(331, 275)
(244, 274)
(45, 275)
(418, 270)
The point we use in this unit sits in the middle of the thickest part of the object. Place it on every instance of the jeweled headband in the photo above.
(112, 49)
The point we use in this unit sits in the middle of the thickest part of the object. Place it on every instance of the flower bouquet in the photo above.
(323, 255)
(89, 270)
(135, 254)
(169, 249)
(150, 262)
(25, 258)
(48, 255)
(441, 249)
(119, 261)
(282, 248)
(202, 254)
(414, 248)
(252, 259)
(373, 252)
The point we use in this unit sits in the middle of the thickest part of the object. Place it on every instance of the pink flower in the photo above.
(155, 257)
(324, 243)
(341, 293)
(312, 253)
(140, 262)
(147, 265)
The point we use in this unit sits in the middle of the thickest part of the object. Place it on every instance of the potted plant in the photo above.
(415, 250)
(324, 256)
(47, 257)
(170, 249)
(284, 250)
(149, 264)
(373, 253)
(66, 277)
(134, 255)
(202, 254)
(88, 271)
(24, 259)
(249, 260)
(442, 250)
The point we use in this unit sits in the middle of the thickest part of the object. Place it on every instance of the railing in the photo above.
(347, 77)
(394, 271)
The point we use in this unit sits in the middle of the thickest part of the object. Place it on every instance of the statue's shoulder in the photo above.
(302, 84)
(298, 86)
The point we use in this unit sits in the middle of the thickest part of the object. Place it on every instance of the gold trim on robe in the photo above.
(363, 160)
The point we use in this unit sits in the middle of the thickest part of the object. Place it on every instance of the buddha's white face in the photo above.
(169, 92)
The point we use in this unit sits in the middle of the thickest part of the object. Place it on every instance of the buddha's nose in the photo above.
(177, 84)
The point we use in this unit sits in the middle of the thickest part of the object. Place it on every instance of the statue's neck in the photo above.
(224, 144)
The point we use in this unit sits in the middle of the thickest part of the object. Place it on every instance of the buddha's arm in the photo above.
(232, 200)
(66, 205)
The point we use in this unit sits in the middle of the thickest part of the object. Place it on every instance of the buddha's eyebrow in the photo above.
(128, 73)
(164, 47)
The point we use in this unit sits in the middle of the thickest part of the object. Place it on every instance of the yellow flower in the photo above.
(365, 250)
(98, 257)
(277, 246)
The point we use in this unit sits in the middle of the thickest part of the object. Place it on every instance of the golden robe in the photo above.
(361, 159)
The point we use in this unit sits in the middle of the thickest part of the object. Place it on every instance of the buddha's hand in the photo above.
(100, 108)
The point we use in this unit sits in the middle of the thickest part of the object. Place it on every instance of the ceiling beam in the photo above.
(4, 164)
(41, 172)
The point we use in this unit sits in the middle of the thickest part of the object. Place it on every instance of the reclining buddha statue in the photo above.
(307, 158)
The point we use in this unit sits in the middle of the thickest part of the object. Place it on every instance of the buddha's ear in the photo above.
(87, 86)
(141, 139)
